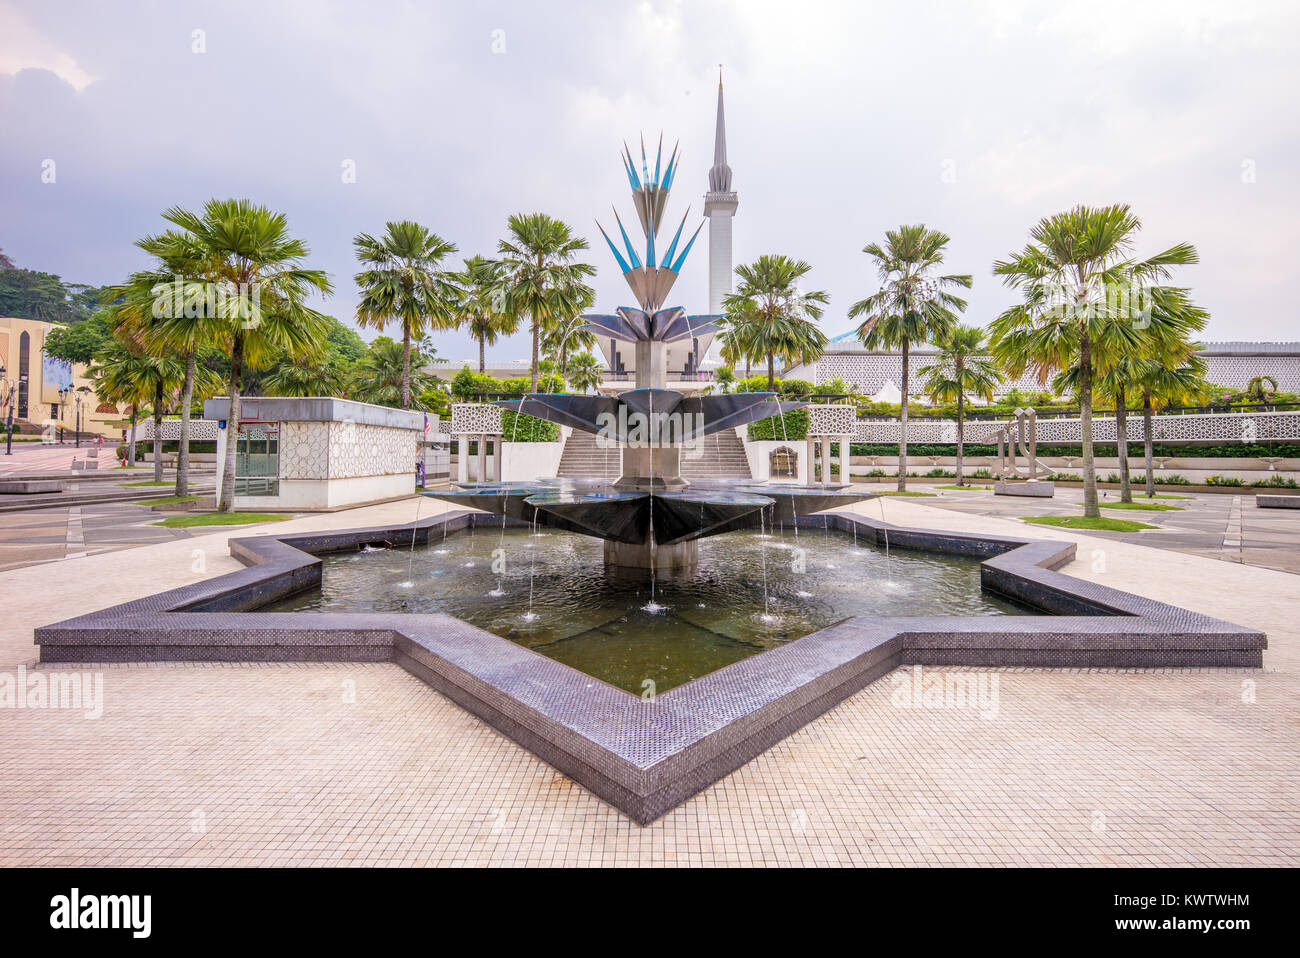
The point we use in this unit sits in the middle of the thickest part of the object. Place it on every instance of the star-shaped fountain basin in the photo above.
(596, 508)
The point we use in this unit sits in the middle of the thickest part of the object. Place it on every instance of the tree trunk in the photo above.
(157, 432)
(961, 434)
(771, 373)
(183, 455)
(130, 446)
(227, 499)
(406, 365)
(1090, 508)
(537, 330)
(482, 355)
(902, 426)
(1121, 445)
(1146, 442)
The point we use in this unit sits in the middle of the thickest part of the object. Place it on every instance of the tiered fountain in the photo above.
(650, 518)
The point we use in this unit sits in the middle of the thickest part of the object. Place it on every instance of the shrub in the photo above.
(981, 474)
(876, 473)
(1065, 477)
(940, 474)
(1275, 482)
(1223, 481)
(518, 428)
(1174, 479)
(792, 425)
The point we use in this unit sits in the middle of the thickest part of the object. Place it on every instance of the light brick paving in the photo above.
(269, 764)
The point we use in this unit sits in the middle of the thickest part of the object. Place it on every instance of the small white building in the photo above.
(317, 453)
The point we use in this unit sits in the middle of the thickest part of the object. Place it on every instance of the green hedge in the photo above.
(517, 428)
(795, 426)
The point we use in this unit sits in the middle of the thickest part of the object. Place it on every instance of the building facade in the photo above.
(37, 380)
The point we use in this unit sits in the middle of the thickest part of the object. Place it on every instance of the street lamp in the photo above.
(81, 391)
(64, 392)
(7, 398)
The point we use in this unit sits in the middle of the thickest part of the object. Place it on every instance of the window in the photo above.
(257, 459)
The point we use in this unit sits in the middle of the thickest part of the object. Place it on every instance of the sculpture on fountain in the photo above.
(650, 518)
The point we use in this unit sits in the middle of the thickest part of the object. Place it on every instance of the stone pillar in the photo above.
(844, 460)
(498, 459)
(826, 459)
(482, 457)
(462, 457)
(810, 461)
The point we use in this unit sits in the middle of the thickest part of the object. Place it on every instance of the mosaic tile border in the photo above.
(647, 757)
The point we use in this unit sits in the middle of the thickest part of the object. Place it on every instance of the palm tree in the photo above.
(961, 369)
(585, 372)
(385, 373)
(482, 307)
(248, 256)
(134, 375)
(1076, 276)
(1172, 379)
(178, 285)
(540, 276)
(403, 280)
(770, 317)
(303, 378)
(913, 304)
(1257, 392)
(566, 333)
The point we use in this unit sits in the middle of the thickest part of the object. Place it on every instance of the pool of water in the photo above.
(549, 591)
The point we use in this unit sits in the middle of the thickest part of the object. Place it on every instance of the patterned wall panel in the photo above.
(1226, 427)
(201, 430)
(365, 450)
(475, 418)
(304, 450)
(832, 420)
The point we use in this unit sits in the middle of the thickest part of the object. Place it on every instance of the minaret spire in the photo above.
(720, 207)
(720, 173)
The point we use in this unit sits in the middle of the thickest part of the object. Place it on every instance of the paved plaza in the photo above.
(363, 764)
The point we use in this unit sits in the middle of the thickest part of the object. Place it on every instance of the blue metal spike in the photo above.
(631, 253)
(659, 155)
(668, 256)
(631, 167)
(622, 263)
(672, 168)
(681, 259)
(650, 238)
(645, 166)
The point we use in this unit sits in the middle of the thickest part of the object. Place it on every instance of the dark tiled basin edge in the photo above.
(647, 757)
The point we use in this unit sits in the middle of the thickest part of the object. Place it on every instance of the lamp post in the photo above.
(81, 391)
(64, 392)
(7, 397)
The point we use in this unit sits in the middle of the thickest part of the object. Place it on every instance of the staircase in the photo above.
(722, 457)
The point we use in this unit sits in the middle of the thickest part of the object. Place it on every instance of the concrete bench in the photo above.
(85, 464)
(1031, 488)
(1277, 502)
(29, 487)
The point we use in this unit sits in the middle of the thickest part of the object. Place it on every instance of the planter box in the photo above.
(1277, 502)
(29, 487)
(1032, 488)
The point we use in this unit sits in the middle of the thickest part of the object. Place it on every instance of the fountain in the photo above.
(650, 518)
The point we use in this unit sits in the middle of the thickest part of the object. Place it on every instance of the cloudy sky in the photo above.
(843, 120)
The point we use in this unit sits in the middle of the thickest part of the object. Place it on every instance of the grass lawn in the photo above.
(969, 485)
(1083, 522)
(1145, 506)
(148, 482)
(908, 492)
(164, 500)
(220, 519)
